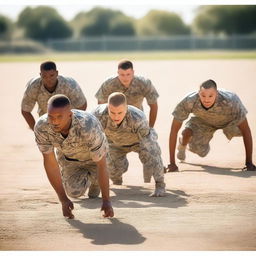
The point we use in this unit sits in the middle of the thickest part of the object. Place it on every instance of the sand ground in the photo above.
(210, 203)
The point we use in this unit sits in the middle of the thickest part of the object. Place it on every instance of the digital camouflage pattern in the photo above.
(86, 144)
(139, 89)
(226, 114)
(36, 93)
(132, 135)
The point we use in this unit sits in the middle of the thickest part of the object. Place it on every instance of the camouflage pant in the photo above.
(203, 133)
(150, 156)
(77, 176)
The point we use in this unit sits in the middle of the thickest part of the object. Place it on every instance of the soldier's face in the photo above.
(49, 78)
(60, 118)
(118, 113)
(125, 76)
(207, 96)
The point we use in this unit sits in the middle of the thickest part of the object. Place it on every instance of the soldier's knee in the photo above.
(202, 152)
(75, 193)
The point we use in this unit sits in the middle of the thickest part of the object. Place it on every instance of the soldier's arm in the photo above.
(176, 125)
(152, 114)
(247, 137)
(29, 119)
(103, 180)
(103, 92)
(28, 102)
(75, 94)
(53, 173)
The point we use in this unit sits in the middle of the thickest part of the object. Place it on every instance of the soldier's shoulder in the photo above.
(85, 120)
(110, 81)
(42, 123)
(34, 83)
(190, 97)
(226, 93)
(68, 81)
(142, 80)
(135, 113)
(228, 97)
(101, 110)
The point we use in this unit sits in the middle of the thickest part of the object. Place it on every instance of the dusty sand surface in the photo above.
(210, 203)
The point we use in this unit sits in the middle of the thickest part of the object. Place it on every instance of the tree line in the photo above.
(44, 22)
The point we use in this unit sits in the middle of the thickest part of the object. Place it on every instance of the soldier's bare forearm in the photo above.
(103, 179)
(29, 119)
(247, 138)
(153, 114)
(53, 173)
(173, 139)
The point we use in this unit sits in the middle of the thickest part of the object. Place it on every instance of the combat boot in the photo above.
(181, 155)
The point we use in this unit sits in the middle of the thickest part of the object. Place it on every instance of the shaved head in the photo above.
(116, 99)
(58, 101)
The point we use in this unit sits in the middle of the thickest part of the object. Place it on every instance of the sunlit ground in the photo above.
(145, 55)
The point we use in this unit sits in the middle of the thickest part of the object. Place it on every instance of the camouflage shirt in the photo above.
(227, 110)
(139, 89)
(86, 139)
(133, 129)
(36, 93)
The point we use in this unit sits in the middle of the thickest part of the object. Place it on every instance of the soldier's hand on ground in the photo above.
(172, 168)
(159, 192)
(67, 207)
(249, 167)
(107, 208)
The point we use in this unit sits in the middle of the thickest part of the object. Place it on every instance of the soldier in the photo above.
(81, 147)
(127, 130)
(213, 109)
(135, 88)
(39, 90)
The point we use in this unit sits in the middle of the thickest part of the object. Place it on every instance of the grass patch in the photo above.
(115, 56)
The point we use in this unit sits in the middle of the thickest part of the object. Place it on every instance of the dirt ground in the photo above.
(210, 203)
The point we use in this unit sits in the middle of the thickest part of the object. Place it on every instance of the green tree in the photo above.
(42, 23)
(225, 19)
(6, 27)
(162, 23)
(101, 21)
(122, 26)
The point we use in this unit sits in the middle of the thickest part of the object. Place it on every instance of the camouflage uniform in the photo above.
(139, 89)
(133, 134)
(86, 144)
(226, 114)
(36, 93)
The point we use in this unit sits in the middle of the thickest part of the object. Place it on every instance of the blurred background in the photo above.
(29, 28)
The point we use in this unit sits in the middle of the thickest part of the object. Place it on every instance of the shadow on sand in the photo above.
(115, 232)
(138, 197)
(238, 172)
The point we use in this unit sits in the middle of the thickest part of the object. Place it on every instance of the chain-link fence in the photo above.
(235, 42)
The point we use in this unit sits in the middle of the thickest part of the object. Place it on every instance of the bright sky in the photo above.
(136, 8)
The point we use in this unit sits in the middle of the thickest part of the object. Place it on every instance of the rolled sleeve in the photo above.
(77, 96)
(42, 140)
(182, 110)
(99, 94)
(239, 111)
(29, 98)
(151, 94)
